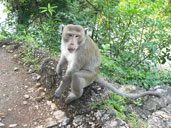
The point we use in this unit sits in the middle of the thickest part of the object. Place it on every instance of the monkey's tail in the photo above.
(104, 83)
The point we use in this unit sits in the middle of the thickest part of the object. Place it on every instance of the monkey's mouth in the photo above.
(71, 50)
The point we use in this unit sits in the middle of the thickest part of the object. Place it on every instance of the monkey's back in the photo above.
(92, 55)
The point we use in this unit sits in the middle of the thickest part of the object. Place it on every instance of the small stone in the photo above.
(51, 123)
(16, 69)
(25, 102)
(9, 109)
(26, 96)
(10, 51)
(99, 89)
(131, 125)
(36, 107)
(38, 77)
(2, 114)
(12, 125)
(59, 115)
(37, 85)
(66, 122)
(49, 102)
(2, 125)
(53, 106)
(30, 71)
(4, 46)
(30, 90)
(39, 91)
(92, 124)
(39, 99)
(15, 56)
(49, 119)
(25, 125)
(43, 94)
(41, 126)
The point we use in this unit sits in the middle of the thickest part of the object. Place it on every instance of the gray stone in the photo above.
(115, 123)
(51, 123)
(152, 103)
(2, 125)
(78, 120)
(40, 126)
(160, 119)
(16, 69)
(26, 96)
(66, 122)
(60, 116)
(12, 125)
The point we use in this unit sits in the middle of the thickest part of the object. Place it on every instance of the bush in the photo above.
(133, 36)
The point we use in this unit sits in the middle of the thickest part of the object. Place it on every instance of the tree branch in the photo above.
(96, 9)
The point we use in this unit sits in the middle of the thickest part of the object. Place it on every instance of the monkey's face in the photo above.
(73, 36)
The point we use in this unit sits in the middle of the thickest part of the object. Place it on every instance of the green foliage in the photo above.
(136, 122)
(27, 11)
(118, 105)
(28, 57)
(134, 44)
(48, 9)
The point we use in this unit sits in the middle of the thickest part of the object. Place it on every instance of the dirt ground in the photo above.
(18, 105)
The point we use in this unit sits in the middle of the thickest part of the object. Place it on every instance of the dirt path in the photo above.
(18, 104)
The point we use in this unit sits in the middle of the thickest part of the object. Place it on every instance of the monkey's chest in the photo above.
(70, 57)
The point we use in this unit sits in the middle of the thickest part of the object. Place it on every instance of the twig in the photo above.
(96, 9)
(139, 48)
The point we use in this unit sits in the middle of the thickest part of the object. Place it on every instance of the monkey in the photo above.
(83, 58)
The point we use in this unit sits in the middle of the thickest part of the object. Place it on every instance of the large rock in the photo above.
(11, 44)
(161, 118)
(84, 116)
(48, 76)
(152, 104)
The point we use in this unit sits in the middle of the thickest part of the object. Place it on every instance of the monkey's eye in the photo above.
(69, 35)
(77, 36)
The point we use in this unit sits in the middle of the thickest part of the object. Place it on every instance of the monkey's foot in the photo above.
(70, 98)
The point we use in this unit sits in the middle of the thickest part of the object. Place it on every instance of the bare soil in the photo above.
(15, 108)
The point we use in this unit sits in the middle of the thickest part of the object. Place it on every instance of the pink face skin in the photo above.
(73, 36)
(73, 42)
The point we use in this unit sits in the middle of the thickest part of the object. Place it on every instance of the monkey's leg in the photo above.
(65, 83)
(80, 80)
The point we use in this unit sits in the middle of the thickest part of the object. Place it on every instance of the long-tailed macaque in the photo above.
(83, 58)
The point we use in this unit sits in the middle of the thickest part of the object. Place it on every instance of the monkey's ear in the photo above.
(86, 31)
(61, 28)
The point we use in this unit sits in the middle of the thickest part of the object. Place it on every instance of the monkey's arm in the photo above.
(72, 68)
(61, 62)
(104, 83)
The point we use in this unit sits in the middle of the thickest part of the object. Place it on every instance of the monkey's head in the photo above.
(73, 36)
